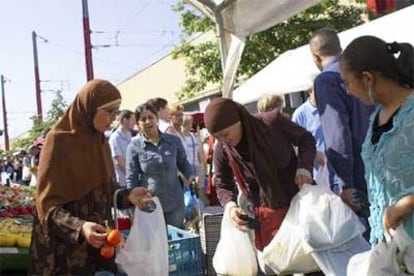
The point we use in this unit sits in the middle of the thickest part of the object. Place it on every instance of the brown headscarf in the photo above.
(221, 113)
(75, 158)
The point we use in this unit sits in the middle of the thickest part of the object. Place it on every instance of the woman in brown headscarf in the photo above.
(258, 151)
(75, 185)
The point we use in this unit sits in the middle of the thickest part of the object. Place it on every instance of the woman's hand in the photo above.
(238, 223)
(301, 180)
(395, 214)
(94, 233)
(139, 196)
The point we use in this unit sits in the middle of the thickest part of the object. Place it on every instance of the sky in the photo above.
(144, 30)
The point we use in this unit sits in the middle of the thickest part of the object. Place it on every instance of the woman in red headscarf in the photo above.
(259, 152)
(75, 185)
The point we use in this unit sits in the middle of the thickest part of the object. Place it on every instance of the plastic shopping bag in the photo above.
(193, 205)
(392, 257)
(285, 253)
(331, 231)
(322, 177)
(146, 249)
(235, 255)
(326, 221)
(334, 261)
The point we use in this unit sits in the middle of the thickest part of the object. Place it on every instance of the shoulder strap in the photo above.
(237, 173)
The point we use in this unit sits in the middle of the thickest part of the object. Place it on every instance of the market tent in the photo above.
(237, 19)
(293, 70)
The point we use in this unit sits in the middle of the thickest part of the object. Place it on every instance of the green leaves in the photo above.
(58, 107)
(203, 65)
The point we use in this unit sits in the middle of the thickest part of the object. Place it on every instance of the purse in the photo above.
(270, 219)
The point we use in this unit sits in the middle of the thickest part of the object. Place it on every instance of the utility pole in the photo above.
(87, 41)
(37, 78)
(5, 131)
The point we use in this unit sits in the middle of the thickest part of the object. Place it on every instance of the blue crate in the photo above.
(184, 253)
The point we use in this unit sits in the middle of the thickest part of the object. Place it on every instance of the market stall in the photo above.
(16, 217)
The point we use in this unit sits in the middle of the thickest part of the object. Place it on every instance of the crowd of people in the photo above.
(21, 167)
(358, 122)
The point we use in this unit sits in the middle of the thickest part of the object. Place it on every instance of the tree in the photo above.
(57, 108)
(203, 63)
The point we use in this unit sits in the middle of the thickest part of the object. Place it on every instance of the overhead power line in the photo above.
(137, 12)
(132, 45)
(135, 32)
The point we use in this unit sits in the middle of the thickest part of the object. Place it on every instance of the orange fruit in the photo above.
(113, 238)
(107, 252)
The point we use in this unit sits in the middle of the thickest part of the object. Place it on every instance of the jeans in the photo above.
(175, 217)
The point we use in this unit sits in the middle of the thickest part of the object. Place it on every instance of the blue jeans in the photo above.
(175, 217)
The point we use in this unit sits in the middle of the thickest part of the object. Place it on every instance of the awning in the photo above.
(237, 19)
(293, 70)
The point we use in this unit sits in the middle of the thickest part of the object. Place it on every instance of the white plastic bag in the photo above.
(285, 253)
(326, 221)
(322, 177)
(235, 255)
(146, 249)
(331, 231)
(392, 257)
(26, 173)
(334, 261)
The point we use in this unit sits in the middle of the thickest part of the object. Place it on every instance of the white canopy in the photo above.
(236, 19)
(293, 70)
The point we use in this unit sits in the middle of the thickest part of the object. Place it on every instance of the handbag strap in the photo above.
(237, 173)
(115, 202)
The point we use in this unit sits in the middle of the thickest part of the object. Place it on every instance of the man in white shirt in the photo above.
(119, 141)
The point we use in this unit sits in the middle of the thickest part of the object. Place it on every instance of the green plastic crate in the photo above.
(14, 259)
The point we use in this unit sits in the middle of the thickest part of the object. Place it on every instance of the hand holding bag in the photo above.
(146, 249)
(235, 255)
(392, 257)
(285, 254)
(270, 219)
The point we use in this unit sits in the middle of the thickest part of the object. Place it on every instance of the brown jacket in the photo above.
(283, 136)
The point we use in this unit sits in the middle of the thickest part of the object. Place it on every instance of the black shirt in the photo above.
(378, 130)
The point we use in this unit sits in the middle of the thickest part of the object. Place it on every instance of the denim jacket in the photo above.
(156, 167)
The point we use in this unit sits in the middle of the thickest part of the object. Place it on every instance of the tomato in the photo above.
(113, 238)
(107, 252)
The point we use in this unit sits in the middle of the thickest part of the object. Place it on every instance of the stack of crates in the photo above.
(184, 253)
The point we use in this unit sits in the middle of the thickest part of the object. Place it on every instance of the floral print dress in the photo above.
(66, 252)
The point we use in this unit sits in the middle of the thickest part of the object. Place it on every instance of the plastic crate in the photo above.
(184, 253)
(13, 259)
(210, 235)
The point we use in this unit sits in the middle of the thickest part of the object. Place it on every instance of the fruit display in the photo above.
(16, 216)
(15, 232)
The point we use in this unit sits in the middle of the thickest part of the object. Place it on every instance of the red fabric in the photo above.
(270, 221)
(198, 120)
(211, 190)
(380, 6)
